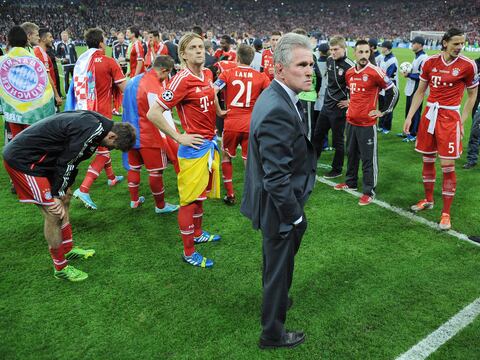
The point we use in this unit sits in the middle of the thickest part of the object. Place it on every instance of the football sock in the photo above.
(158, 191)
(448, 187)
(67, 237)
(429, 175)
(93, 172)
(197, 218)
(227, 174)
(133, 177)
(185, 223)
(58, 257)
(109, 169)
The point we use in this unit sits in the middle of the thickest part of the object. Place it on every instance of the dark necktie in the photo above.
(300, 110)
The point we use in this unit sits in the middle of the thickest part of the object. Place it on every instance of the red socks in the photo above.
(133, 178)
(198, 217)
(448, 187)
(227, 174)
(67, 237)
(109, 169)
(100, 162)
(158, 191)
(58, 257)
(428, 175)
(185, 223)
(449, 182)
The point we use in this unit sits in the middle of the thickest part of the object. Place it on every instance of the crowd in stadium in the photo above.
(355, 19)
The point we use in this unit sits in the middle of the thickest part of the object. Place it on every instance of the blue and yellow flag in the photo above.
(196, 167)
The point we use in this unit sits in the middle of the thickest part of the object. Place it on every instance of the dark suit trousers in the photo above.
(279, 251)
(67, 70)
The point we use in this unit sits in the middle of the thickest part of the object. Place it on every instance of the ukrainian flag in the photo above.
(196, 168)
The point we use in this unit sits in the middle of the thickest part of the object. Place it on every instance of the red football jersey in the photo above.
(158, 49)
(107, 74)
(447, 82)
(45, 59)
(194, 98)
(364, 85)
(229, 55)
(223, 65)
(149, 89)
(267, 63)
(243, 86)
(136, 54)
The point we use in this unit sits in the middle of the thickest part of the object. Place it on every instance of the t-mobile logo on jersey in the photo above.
(204, 103)
(353, 87)
(436, 80)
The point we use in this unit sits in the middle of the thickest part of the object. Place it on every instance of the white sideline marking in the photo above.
(444, 333)
(405, 213)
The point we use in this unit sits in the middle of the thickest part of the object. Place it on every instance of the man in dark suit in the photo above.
(68, 57)
(280, 176)
(209, 58)
(171, 46)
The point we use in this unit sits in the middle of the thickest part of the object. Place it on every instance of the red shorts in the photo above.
(231, 140)
(13, 129)
(154, 159)
(446, 140)
(30, 189)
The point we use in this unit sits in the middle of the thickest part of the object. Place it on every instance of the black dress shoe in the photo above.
(289, 340)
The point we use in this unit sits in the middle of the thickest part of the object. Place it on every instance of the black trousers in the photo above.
(362, 145)
(336, 122)
(416, 118)
(279, 252)
(385, 121)
(67, 70)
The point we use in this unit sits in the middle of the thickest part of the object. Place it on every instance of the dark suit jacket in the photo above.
(173, 51)
(281, 165)
(209, 60)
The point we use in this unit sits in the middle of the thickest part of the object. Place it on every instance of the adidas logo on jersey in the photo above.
(197, 90)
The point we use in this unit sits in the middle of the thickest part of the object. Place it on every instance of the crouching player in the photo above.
(42, 163)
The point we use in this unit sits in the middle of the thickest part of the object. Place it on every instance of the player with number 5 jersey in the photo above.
(242, 86)
(191, 91)
(447, 75)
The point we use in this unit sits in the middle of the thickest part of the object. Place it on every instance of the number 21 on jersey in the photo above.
(240, 95)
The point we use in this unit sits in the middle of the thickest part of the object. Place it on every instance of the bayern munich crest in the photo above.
(23, 78)
(167, 95)
(455, 72)
(365, 77)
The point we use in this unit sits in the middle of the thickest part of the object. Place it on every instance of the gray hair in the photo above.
(286, 45)
(207, 44)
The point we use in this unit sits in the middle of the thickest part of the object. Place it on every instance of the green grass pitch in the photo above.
(369, 284)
